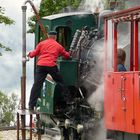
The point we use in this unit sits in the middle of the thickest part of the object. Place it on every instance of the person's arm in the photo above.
(64, 53)
(35, 52)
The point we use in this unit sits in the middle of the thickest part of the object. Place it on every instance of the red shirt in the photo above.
(48, 51)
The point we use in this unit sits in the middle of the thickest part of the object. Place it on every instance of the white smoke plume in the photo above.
(92, 5)
(96, 99)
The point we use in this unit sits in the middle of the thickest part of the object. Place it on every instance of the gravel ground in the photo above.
(11, 135)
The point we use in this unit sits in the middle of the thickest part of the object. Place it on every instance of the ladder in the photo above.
(21, 124)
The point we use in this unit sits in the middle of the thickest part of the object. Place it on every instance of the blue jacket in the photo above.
(121, 67)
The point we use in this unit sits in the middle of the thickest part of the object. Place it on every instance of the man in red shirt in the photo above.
(47, 51)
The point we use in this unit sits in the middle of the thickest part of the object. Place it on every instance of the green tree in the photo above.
(7, 21)
(8, 105)
(49, 7)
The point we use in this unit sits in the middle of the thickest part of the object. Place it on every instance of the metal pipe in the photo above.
(131, 45)
(105, 42)
(136, 55)
(126, 12)
(74, 42)
(115, 46)
(18, 126)
(23, 78)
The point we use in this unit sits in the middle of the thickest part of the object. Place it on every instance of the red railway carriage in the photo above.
(122, 88)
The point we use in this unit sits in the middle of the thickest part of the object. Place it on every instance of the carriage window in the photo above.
(123, 42)
(109, 46)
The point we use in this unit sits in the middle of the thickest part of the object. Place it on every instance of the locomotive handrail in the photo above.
(123, 97)
(123, 13)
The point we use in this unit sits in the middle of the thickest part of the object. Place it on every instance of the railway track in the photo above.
(10, 132)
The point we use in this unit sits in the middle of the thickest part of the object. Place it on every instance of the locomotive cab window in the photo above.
(63, 37)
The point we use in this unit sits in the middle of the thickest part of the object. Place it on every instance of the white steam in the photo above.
(94, 83)
(97, 98)
(92, 5)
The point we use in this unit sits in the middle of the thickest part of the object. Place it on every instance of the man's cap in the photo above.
(52, 33)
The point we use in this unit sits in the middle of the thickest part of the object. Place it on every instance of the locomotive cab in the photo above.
(66, 25)
(122, 100)
(69, 105)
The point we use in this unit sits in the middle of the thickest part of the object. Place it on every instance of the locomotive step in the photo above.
(26, 128)
(25, 139)
(27, 112)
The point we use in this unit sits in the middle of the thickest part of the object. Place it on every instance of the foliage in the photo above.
(49, 7)
(7, 21)
(5, 48)
(117, 4)
(4, 19)
(8, 106)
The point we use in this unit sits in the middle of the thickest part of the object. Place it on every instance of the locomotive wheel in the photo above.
(64, 133)
(73, 135)
(70, 134)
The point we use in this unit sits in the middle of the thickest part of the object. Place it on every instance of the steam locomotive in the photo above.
(79, 33)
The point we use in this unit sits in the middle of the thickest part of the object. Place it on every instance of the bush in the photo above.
(8, 105)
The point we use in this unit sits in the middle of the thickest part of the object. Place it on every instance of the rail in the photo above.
(6, 128)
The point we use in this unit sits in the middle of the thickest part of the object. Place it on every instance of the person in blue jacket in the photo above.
(121, 59)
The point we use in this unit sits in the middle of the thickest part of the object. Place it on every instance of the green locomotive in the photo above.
(77, 32)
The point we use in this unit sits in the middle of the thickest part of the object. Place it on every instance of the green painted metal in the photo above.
(69, 22)
(51, 92)
(69, 71)
(46, 102)
(74, 20)
(66, 23)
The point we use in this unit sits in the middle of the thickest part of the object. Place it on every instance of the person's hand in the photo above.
(70, 58)
(28, 55)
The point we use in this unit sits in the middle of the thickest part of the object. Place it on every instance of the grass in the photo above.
(1, 137)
